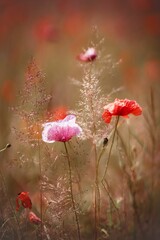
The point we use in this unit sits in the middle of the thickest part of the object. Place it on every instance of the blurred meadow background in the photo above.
(40, 72)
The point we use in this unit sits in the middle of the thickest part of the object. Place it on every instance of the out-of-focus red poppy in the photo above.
(152, 70)
(34, 219)
(25, 200)
(74, 24)
(45, 30)
(151, 24)
(130, 73)
(57, 113)
(88, 56)
(121, 107)
(7, 91)
(141, 5)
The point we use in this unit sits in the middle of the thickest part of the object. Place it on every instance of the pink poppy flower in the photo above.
(34, 219)
(61, 131)
(88, 56)
(121, 107)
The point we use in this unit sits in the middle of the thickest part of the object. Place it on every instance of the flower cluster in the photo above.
(63, 130)
(27, 203)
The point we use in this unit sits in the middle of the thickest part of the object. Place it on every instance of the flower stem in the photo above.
(71, 192)
(41, 193)
(97, 194)
(20, 234)
(152, 113)
(40, 166)
(110, 150)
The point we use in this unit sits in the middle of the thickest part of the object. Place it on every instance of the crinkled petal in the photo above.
(121, 107)
(62, 130)
(45, 132)
(106, 116)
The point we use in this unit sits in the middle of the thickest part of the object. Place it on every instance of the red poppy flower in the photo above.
(58, 113)
(45, 30)
(121, 107)
(88, 56)
(25, 200)
(34, 219)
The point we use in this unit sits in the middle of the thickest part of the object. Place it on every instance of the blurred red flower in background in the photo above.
(25, 200)
(45, 30)
(121, 107)
(88, 56)
(7, 91)
(34, 219)
(152, 69)
(57, 113)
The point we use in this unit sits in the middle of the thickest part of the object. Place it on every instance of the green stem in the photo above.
(40, 167)
(41, 193)
(71, 191)
(152, 112)
(97, 194)
(110, 150)
(97, 190)
(111, 199)
(5, 187)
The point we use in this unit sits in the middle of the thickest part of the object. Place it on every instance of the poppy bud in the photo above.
(105, 141)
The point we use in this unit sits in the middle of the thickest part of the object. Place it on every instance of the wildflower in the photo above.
(34, 219)
(152, 69)
(88, 56)
(45, 30)
(25, 200)
(7, 91)
(58, 113)
(121, 107)
(62, 130)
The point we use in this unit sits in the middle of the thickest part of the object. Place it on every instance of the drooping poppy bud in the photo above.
(25, 200)
(34, 219)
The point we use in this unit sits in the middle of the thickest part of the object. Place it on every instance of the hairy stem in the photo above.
(71, 192)
(40, 167)
(41, 194)
(20, 234)
(152, 112)
(110, 150)
(111, 199)
(97, 194)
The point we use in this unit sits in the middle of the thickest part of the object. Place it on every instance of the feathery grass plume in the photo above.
(59, 206)
(92, 100)
(58, 198)
(33, 100)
